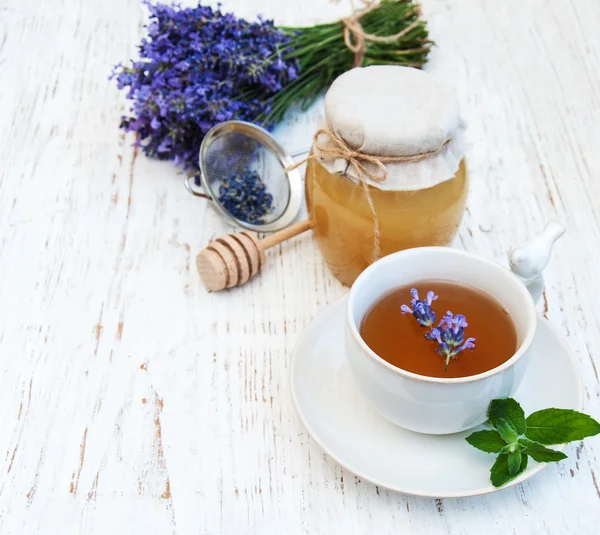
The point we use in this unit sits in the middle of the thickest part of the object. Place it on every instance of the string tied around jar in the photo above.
(356, 38)
(358, 160)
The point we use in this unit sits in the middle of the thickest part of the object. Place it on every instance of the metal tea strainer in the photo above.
(236, 148)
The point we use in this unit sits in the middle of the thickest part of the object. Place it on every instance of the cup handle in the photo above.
(536, 288)
(529, 261)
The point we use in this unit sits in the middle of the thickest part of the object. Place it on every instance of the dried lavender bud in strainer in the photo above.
(245, 196)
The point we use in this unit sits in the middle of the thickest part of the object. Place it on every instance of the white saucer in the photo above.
(345, 425)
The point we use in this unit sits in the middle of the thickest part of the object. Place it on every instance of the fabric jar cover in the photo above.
(395, 111)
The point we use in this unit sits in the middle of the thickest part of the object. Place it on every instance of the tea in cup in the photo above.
(400, 362)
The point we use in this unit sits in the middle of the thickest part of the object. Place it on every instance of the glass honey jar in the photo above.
(389, 174)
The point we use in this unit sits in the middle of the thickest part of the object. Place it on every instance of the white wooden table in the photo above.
(132, 401)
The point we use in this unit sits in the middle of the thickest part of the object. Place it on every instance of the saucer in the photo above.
(353, 433)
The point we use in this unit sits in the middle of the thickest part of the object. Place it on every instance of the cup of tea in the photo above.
(397, 367)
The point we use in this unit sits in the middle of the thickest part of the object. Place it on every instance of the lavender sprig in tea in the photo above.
(421, 310)
(449, 334)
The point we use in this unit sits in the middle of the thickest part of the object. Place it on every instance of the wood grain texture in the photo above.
(133, 401)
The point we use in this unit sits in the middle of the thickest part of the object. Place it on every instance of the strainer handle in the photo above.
(189, 187)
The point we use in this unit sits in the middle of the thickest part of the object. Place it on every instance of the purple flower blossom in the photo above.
(421, 310)
(450, 336)
(199, 67)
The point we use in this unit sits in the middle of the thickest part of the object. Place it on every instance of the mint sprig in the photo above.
(516, 438)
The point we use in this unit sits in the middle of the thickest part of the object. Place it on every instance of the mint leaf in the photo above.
(510, 410)
(559, 426)
(499, 474)
(489, 441)
(546, 427)
(506, 430)
(514, 462)
(540, 453)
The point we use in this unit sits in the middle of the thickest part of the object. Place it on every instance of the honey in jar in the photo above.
(388, 112)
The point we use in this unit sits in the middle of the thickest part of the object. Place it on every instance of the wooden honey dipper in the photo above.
(233, 259)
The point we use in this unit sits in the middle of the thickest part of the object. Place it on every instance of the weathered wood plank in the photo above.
(133, 401)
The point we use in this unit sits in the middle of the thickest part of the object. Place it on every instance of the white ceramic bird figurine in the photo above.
(529, 261)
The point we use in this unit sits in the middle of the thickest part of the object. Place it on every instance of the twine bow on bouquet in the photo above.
(355, 37)
(390, 32)
(199, 66)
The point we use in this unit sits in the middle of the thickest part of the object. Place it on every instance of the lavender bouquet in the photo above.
(194, 67)
(198, 67)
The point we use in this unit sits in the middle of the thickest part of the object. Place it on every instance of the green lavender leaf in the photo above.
(507, 430)
(489, 441)
(500, 475)
(540, 453)
(559, 426)
(509, 410)
(514, 462)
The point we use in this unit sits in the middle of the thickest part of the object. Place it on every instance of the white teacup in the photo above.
(432, 404)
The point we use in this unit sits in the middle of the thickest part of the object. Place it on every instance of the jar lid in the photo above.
(394, 111)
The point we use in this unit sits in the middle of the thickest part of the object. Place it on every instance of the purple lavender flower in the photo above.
(199, 67)
(450, 336)
(421, 310)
